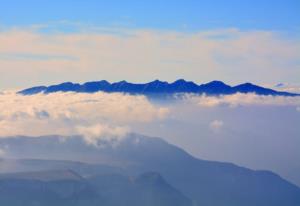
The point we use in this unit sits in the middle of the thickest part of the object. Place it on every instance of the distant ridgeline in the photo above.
(156, 88)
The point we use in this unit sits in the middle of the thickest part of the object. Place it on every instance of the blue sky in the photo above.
(47, 42)
(167, 14)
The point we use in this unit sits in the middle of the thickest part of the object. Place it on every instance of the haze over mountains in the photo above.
(156, 87)
(150, 103)
(134, 169)
(137, 170)
(66, 187)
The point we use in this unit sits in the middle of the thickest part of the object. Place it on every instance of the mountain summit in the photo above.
(156, 87)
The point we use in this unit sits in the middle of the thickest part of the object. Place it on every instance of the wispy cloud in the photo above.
(33, 57)
(216, 125)
(2, 152)
(102, 133)
(93, 53)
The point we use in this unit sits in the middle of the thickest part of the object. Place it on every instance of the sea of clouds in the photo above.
(90, 115)
(260, 132)
(103, 114)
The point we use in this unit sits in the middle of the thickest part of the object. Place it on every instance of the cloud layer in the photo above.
(240, 99)
(28, 55)
(107, 114)
(91, 115)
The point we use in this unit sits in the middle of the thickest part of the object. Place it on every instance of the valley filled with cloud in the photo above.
(239, 128)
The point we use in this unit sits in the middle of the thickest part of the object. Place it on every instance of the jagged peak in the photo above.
(97, 82)
(157, 81)
(215, 83)
(180, 81)
(246, 84)
(215, 87)
(122, 82)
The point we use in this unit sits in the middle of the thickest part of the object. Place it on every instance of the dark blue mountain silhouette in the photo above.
(156, 87)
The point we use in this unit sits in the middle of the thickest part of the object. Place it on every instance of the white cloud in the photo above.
(216, 125)
(108, 117)
(240, 99)
(103, 133)
(298, 109)
(28, 55)
(98, 115)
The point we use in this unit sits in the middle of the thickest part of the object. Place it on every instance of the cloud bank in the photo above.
(240, 99)
(28, 55)
(101, 115)
(98, 115)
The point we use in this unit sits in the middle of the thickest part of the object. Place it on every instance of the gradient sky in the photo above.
(179, 15)
(234, 41)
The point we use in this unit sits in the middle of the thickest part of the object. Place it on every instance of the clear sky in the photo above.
(167, 14)
(235, 37)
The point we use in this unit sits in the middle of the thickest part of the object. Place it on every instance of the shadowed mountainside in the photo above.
(65, 187)
(204, 182)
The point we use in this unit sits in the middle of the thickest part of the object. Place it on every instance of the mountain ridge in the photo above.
(156, 87)
(47, 175)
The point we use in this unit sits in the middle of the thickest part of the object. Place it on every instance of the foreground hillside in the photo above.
(203, 182)
(65, 187)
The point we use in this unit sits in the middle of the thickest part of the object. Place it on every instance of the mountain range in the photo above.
(139, 169)
(156, 88)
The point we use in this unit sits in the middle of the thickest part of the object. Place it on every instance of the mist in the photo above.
(259, 132)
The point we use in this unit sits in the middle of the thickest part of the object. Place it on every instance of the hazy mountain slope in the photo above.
(65, 187)
(60, 188)
(211, 183)
(149, 189)
(46, 176)
(84, 169)
(208, 182)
